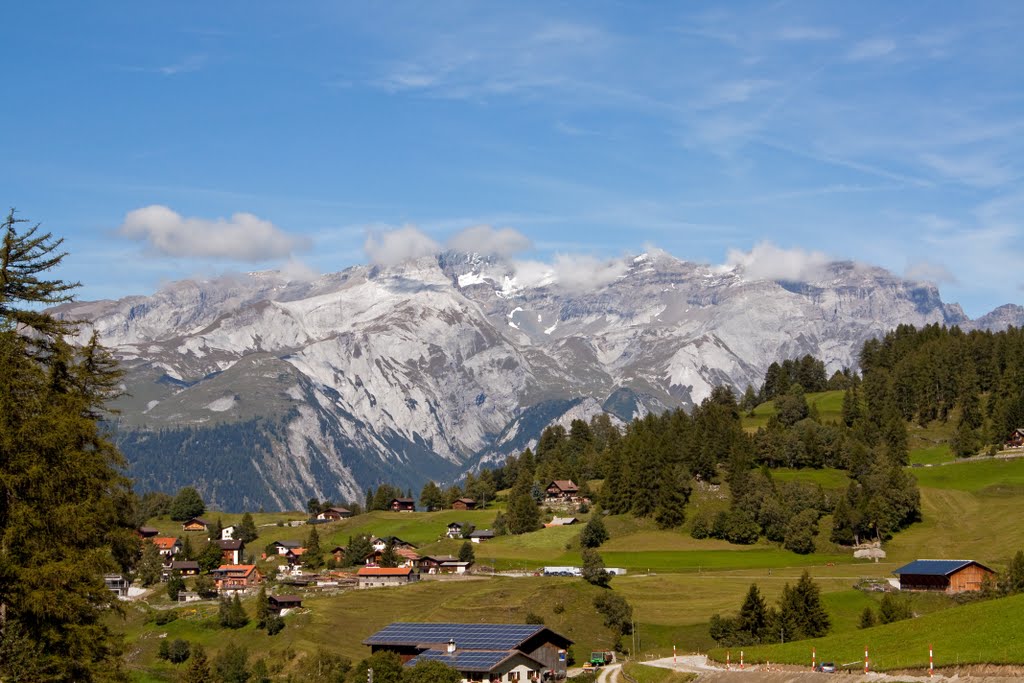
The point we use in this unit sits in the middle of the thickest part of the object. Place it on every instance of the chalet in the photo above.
(338, 552)
(562, 488)
(278, 603)
(231, 577)
(406, 557)
(147, 532)
(457, 529)
(117, 584)
(1016, 439)
(432, 563)
(333, 514)
(195, 524)
(951, 576)
(381, 543)
(464, 504)
(479, 652)
(228, 533)
(282, 547)
(294, 556)
(562, 521)
(167, 545)
(231, 551)
(380, 577)
(183, 568)
(454, 567)
(403, 505)
(481, 535)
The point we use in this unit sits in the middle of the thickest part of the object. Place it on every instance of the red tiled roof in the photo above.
(246, 568)
(384, 571)
(164, 542)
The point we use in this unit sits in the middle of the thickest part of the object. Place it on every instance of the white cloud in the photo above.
(874, 48)
(243, 237)
(484, 239)
(977, 171)
(391, 247)
(802, 33)
(297, 271)
(572, 272)
(767, 261)
(579, 272)
(734, 92)
(929, 272)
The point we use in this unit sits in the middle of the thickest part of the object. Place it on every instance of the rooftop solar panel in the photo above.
(472, 660)
(468, 636)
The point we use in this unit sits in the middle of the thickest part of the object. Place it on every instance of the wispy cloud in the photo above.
(974, 170)
(806, 33)
(189, 64)
(874, 48)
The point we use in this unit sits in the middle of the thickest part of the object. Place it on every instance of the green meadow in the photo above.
(972, 509)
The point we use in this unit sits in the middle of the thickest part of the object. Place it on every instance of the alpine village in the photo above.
(523, 342)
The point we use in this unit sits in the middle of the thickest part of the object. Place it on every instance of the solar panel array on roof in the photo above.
(933, 567)
(468, 636)
(472, 660)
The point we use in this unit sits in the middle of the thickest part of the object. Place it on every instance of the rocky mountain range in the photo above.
(264, 392)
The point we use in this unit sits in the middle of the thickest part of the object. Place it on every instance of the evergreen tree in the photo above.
(187, 551)
(753, 616)
(814, 620)
(198, 670)
(187, 504)
(232, 664)
(390, 557)
(231, 614)
(151, 564)
(867, 618)
(357, 550)
(262, 607)
(216, 530)
(893, 608)
(67, 514)
(246, 530)
(174, 586)
(594, 533)
(1014, 581)
(313, 558)
(431, 497)
(673, 494)
(211, 557)
(466, 553)
(523, 515)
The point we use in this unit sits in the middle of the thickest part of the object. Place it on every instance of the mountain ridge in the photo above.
(416, 370)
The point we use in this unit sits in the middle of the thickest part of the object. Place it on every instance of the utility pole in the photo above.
(369, 675)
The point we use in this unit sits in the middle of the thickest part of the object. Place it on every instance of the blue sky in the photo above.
(167, 140)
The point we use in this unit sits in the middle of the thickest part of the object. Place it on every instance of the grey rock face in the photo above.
(421, 370)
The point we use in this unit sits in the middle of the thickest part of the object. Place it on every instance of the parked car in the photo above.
(826, 667)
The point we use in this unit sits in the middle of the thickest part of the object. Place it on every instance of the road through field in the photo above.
(610, 674)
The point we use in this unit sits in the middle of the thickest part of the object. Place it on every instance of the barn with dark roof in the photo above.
(951, 576)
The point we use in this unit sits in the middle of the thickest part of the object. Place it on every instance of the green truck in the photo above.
(601, 658)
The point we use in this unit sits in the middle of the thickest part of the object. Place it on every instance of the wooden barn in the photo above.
(951, 576)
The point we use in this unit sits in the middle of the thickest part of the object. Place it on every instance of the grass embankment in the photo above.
(978, 633)
(641, 673)
(829, 405)
(340, 622)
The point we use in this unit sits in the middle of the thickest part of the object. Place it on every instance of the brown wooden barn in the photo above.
(951, 576)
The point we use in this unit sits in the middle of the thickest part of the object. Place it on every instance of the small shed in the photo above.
(276, 603)
(951, 576)
(464, 504)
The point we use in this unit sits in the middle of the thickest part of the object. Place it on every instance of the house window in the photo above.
(513, 675)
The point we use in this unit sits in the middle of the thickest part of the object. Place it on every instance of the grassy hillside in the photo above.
(675, 583)
(984, 632)
(828, 403)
